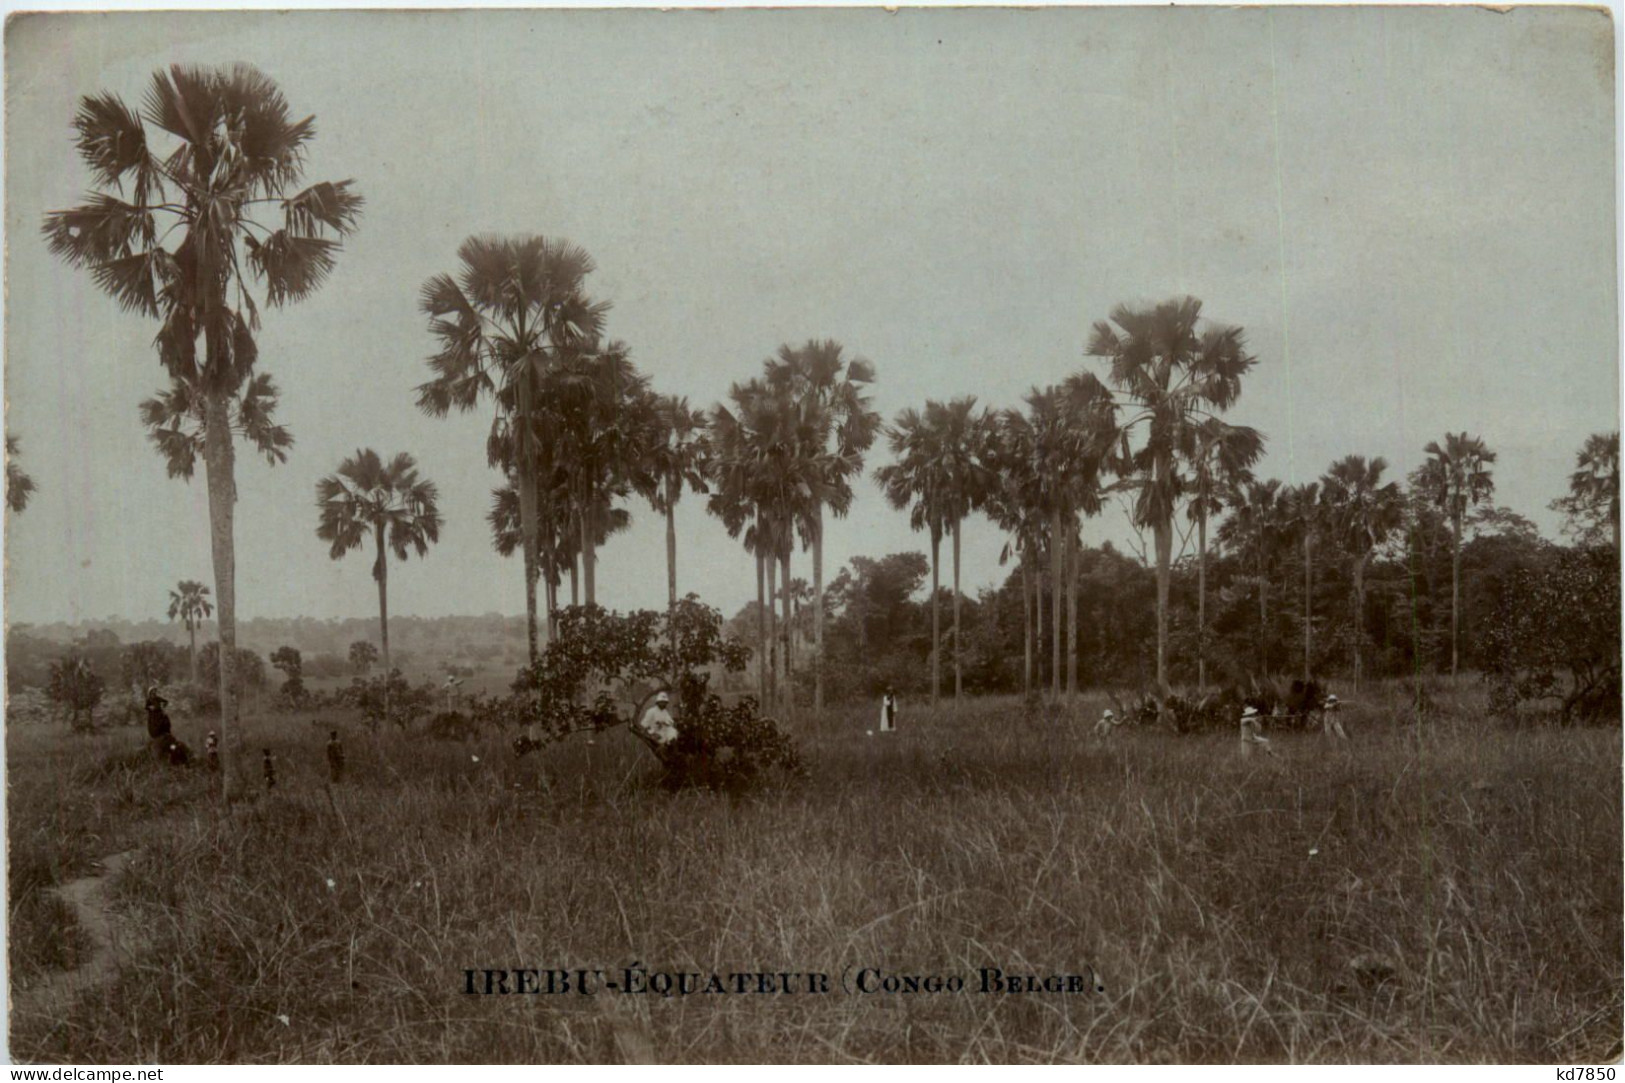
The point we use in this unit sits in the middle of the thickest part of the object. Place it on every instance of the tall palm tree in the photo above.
(1306, 512)
(675, 462)
(173, 234)
(189, 602)
(516, 305)
(388, 501)
(1455, 477)
(940, 470)
(606, 419)
(1362, 513)
(1258, 521)
(1220, 455)
(19, 486)
(1173, 376)
(831, 394)
(1071, 433)
(1010, 460)
(1593, 499)
(765, 485)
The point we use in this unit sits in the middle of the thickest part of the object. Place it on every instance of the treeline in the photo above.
(485, 641)
(879, 634)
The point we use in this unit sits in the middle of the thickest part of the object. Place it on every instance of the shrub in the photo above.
(602, 663)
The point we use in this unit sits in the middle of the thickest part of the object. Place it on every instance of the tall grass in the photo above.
(1444, 894)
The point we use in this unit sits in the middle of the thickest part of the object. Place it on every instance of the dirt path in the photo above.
(87, 898)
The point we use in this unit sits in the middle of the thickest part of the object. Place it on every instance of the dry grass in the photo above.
(1454, 896)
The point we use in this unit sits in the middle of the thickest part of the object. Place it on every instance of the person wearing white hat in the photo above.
(1331, 725)
(657, 723)
(1108, 722)
(1252, 735)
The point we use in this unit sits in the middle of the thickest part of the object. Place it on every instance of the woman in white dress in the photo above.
(888, 711)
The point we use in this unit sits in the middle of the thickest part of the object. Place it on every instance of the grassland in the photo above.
(1445, 894)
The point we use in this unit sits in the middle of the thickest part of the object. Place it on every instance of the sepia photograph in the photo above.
(1068, 535)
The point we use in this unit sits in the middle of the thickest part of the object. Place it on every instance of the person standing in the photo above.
(1252, 733)
(157, 717)
(888, 711)
(335, 758)
(211, 751)
(270, 771)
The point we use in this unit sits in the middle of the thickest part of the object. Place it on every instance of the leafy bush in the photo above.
(1555, 637)
(603, 663)
(75, 687)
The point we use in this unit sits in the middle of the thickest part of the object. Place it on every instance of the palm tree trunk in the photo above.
(936, 626)
(1038, 625)
(1071, 616)
(958, 681)
(380, 572)
(191, 631)
(588, 577)
(1026, 627)
(671, 584)
(575, 579)
(1359, 613)
(219, 461)
(789, 632)
(1201, 600)
(1308, 607)
(768, 560)
(671, 556)
(528, 531)
(1057, 558)
(1162, 533)
(1455, 596)
(761, 637)
(818, 607)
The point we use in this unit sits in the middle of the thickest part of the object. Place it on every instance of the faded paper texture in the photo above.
(1400, 226)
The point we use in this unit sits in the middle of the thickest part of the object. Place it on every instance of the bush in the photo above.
(602, 663)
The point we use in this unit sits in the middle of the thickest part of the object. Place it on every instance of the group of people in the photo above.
(161, 736)
(1252, 726)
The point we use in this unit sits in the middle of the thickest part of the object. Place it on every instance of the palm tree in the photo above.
(1593, 500)
(830, 392)
(1174, 377)
(939, 475)
(1070, 430)
(1455, 477)
(675, 461)
(1008, 459)
(765, 486)
(1258, 521)
(387, 500)
(1220, 455)
(516, 306)
(19, 486)
(1363, 512)
(1305, 511)
(173, 234)
(606, 418)
(189, 601)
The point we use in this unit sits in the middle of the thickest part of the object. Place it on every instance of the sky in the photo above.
(1411, 212)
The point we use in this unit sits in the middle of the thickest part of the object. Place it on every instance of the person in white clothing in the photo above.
(657, 723)
(1108, 722)
(1252, 733)
(1331, 725)
(888, 711)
